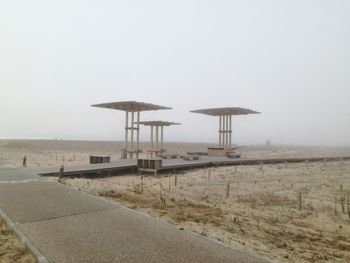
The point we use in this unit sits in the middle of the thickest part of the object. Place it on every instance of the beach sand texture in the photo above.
(254, 208)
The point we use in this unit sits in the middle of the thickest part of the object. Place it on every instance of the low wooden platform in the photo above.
(172, 165)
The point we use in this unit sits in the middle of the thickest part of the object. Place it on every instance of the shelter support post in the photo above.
(227, 131)
(161, 138)
(138, 135)
(132, 134)
(224, 132)
(230, 131)
(152, 146)
(157, 137)
(126, 130)
(220, 129)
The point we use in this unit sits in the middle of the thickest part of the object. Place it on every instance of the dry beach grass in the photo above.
(11, 250)
(259, 214)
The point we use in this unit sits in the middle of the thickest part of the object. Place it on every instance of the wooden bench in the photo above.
(94, 159)
(233, 155)
(190, 157)
(169, 156)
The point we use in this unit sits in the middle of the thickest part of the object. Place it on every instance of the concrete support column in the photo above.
(138, 135)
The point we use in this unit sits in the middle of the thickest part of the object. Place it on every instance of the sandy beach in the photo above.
(285, 212)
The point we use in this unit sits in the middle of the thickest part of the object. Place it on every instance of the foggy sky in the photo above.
(289, 60)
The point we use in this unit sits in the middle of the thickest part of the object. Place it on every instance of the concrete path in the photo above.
(70, 226)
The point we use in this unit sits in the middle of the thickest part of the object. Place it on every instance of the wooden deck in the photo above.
(172, 165)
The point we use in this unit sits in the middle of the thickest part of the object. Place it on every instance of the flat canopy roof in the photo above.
(226, 111)
(131, 106)
(158, 123)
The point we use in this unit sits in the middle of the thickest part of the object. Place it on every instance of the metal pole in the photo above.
(220, 131)
(162, 137)
(138, 135)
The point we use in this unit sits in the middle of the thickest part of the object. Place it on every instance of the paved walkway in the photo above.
(70, 226)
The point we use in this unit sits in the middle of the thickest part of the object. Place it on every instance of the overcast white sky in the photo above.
(289, 60)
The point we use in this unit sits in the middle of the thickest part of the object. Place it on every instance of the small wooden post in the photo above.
(261, 167)
(25, 161)
(348, 202)
(335, 206)
(209, 174)
(175, 179)
(160, 190)
(141, 183)
(300, 201)
(169, 185)
(61, 173)
(343, 204)
(228, 190)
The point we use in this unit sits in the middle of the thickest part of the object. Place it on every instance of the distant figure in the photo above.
(25, 161)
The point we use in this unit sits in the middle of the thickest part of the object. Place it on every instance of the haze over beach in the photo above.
(252, 98)
(289, 60)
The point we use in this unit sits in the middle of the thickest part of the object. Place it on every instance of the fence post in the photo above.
(348, 201)
(335, 206)
(175, 180)
(141, 183)
(343, 203)
(25, 161)
(169, 184)
(61, 174)
(300, 200)
(228, 190)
